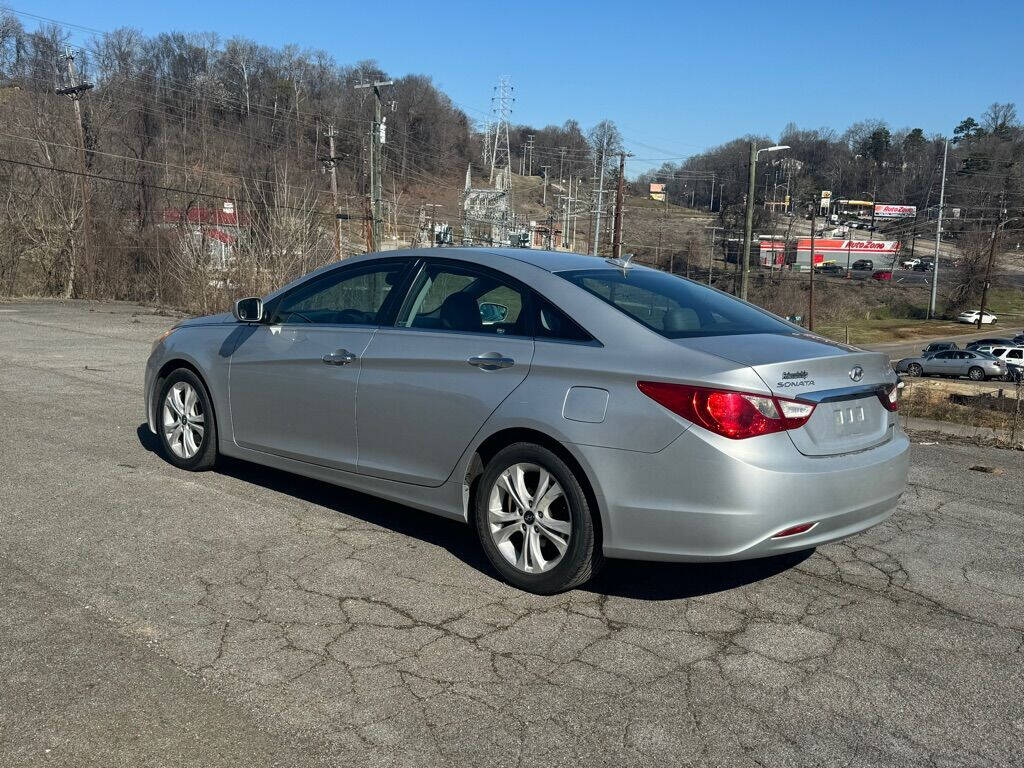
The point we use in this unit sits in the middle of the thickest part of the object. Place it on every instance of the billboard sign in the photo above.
(884, 211)
(657, 191)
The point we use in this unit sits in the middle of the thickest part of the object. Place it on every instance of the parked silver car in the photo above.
(955, 362)
(604, 410)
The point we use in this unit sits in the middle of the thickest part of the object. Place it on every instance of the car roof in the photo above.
(552, 261)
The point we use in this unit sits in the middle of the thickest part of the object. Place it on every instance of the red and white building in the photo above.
(214, 230)
(841, 252)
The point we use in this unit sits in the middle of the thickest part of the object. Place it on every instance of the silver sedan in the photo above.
(956, 363)
(568, 407)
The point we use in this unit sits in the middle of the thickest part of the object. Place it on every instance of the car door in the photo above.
(963, 363)
(461, 344)
(939, 364)
(292, 379)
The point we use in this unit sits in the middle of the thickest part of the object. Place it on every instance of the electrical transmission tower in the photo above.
(488, 135)
(501, 106)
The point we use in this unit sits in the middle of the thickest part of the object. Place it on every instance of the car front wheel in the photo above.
(185, 423)
(915, 370)
(534, 522)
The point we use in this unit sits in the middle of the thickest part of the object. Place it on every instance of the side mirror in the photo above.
(491, 313)
(249, 310)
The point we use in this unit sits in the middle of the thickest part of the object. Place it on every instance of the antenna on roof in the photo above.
(624, 263)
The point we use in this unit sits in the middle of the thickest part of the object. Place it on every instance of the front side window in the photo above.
(454, 298)
(345, 297)
(674, 307)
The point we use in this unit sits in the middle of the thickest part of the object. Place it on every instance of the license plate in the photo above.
(850, 420)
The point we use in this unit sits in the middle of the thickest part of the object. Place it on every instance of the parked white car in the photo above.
(911, 263)
(971, 316)
(1013, 357)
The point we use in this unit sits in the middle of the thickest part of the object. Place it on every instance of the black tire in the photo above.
(975, 373)
(206, 457)
(915, 370)
(582, 558)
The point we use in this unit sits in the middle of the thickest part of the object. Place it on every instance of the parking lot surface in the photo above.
(153, 617)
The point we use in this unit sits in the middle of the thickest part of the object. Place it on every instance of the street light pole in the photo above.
(748, 224)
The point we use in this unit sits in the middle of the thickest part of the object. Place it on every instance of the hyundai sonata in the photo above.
(568, 407)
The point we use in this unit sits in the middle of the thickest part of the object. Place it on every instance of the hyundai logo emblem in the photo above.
(856, 373)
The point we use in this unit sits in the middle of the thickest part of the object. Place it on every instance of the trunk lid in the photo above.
(848, 415)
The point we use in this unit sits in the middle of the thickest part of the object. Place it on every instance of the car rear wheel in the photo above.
(915, 370)
(976, 373)
(185, 423)
(534, 522)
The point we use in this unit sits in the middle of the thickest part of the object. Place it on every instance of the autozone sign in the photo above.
(895, 211)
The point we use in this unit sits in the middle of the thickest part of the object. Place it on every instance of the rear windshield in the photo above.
(674, 307)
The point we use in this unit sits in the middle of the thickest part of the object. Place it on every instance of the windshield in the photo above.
(674, 307)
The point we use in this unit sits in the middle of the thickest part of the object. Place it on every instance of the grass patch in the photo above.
(921, 401)
(1008, 304)
(879, 330)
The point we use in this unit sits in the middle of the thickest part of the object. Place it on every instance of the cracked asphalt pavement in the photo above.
(244, 617)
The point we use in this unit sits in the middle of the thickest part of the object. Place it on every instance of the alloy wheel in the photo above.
(184, 423)
(528, 518)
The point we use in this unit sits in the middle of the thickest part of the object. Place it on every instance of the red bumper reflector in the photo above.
(794, 530)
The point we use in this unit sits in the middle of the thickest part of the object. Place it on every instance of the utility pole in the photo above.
(75, 89)
(620, 193)
(711, 253)
(377, 140)
(567, 241)
(529, 150)
(810, 297)
(938, 235)
(991, 256)
(600, 191)
(331, 162)
(711, 203)
(433, 222)
(545, 169)
(561, 164)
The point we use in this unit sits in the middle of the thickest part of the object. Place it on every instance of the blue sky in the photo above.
(675, 76)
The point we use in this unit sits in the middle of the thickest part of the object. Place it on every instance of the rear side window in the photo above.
(674, 307)
(553, 324)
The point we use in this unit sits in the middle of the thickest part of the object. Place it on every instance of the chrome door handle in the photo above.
(341, 357)
(491, 361)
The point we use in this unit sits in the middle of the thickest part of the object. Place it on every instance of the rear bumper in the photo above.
(707, 498)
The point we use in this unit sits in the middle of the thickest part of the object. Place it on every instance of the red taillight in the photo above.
(890, 398)
(736, 415)
(794, 530)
